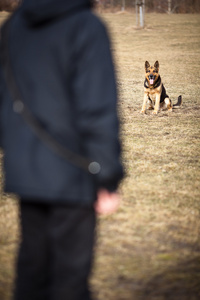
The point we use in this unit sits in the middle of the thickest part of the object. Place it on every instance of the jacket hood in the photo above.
(40, 11)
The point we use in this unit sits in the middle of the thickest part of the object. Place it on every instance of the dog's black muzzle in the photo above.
(151, 78)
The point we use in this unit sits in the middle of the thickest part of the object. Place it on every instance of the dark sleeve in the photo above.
(1, 83)
(95, 97)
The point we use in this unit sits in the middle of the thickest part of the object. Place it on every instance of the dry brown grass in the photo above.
(150, 249)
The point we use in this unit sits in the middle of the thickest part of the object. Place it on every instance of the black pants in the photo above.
(55, 255)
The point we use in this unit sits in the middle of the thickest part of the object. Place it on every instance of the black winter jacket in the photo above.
(60, 55)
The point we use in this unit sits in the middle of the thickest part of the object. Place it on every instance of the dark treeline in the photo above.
(162, 6)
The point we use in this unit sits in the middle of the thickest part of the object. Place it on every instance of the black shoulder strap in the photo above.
(21, 108)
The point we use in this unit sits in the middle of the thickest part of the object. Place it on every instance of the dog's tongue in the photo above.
(151, 81)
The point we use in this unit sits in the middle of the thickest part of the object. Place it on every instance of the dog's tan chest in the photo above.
(153, 97)
(153, 91)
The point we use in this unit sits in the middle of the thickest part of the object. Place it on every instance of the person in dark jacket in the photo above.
(60, 57)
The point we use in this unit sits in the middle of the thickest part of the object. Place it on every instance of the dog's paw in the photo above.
(155, 112)
(143, 112)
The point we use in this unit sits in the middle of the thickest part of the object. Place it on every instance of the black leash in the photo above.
(21, 108)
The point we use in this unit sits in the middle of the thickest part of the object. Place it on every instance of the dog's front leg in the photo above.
(157, 105)
(143, 111)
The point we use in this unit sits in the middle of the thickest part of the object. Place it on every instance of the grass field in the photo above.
(150, 249)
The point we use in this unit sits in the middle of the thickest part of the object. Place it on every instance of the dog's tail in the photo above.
(179, 102)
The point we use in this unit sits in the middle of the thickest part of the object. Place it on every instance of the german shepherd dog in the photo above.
(154, 91)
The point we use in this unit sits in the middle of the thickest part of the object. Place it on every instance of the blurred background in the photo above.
(150, 249)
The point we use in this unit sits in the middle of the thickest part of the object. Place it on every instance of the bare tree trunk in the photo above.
(159, 5)
(143, 10)
(9, 5)
(169, 6)
(123, 5)
(140, 10)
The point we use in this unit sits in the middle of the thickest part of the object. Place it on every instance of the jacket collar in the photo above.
(40, 11)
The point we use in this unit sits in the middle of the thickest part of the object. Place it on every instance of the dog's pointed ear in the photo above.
(147, 65)
(156, 65)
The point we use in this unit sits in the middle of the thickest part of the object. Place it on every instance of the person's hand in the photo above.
(107, 202)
